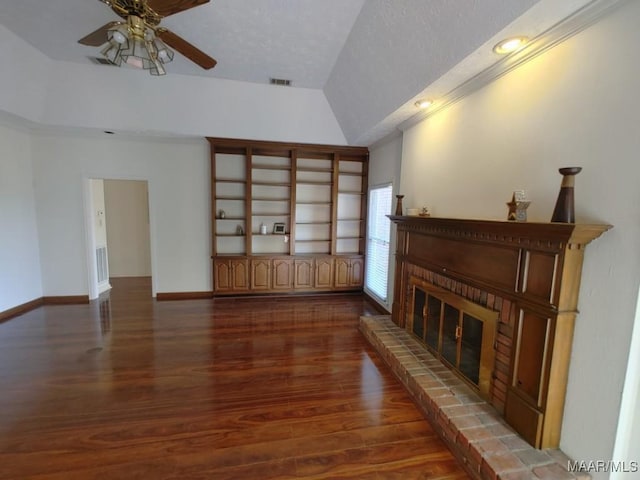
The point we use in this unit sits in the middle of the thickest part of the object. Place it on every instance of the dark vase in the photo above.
(399, 204)
(564, 211)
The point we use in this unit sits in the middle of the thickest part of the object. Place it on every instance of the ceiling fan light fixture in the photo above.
(163, 53)
(140, 41)
(157, 69)
(118, 35)
(112, 53)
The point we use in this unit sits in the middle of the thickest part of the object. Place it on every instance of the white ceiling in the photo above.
(372, 58)
(252, 40)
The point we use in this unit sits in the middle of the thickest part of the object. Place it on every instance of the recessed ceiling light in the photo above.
(423, 103)
(509, 45)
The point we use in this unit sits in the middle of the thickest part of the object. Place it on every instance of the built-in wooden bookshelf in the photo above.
(287, 217)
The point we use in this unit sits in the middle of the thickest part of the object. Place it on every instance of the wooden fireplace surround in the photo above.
(536, 267)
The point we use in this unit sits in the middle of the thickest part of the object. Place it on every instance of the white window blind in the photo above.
(378, 235)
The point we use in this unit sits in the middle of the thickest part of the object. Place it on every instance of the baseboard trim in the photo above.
(167, 296)
(38, 302)
(20, 309)
(284, 294)
(66, 300)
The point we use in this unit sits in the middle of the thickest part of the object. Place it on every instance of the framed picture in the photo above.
(278, 228)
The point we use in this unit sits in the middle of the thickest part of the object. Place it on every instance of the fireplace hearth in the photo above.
(477, 434)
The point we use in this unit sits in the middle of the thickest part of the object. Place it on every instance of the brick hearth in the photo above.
(474, 430)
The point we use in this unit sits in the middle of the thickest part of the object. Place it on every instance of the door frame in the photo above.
(90, 240)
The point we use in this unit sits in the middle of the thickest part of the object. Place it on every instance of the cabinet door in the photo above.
(342, 273)
(260, 274)
(282, 274)
(222, 275)
(324, 273)
(303, 273)
(239, 275)
(356, 276)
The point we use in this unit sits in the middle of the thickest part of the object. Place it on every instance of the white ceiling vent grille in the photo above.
(280, 81)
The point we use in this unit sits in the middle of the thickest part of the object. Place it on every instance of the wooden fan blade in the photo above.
(180, 45)
(164, 8)
(97, 38)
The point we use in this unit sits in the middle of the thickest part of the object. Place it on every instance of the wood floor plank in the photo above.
(259, 388)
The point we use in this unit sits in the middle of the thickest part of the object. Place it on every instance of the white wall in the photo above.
(576, 105)
(65, 94)
(128, 99)
(23, 77)
(128, 237)
(384, 167)
(20, 279)
(178, 176)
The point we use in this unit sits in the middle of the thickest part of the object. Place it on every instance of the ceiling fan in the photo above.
(140, 40)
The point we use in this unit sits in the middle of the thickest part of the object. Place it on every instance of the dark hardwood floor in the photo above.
(131, 388)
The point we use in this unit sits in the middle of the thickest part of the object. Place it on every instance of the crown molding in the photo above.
(575, 23)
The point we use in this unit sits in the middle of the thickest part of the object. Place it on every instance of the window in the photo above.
(379, 231)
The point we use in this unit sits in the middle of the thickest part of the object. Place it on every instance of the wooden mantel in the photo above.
(537, 267)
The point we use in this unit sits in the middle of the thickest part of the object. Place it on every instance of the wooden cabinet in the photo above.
(349, 272)
(260, 274)
(303, 273)
(324, 273)
(282, 274)
(231, 275)
(272, 200)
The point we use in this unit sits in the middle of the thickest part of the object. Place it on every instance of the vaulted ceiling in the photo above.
(371, 58)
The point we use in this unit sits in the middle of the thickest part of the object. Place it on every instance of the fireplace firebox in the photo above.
(458, 332)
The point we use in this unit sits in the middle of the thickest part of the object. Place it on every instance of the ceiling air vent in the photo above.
(101, 61)
(280, 81)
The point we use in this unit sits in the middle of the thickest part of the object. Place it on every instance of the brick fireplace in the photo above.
(528, 276)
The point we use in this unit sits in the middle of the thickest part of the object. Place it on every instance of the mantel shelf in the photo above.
(502, 231)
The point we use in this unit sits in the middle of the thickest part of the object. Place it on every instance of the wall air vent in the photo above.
(280, 81)
(101, 61)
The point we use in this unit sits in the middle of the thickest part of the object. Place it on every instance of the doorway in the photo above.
(121, 246)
